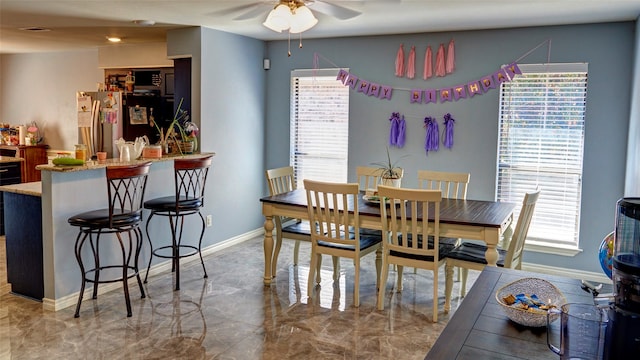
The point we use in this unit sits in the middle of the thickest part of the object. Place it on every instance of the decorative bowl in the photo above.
(533, 317)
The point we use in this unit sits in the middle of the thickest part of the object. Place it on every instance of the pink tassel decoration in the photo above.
(428, 64)
(400, 62)
(451, 57)
(411, 65)
(440, 67)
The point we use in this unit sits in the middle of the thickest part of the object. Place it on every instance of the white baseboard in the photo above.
(72, 299)
(597, 277)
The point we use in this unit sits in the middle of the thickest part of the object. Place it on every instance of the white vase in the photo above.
(391, 182)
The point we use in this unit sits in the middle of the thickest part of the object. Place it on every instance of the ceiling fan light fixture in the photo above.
(279, 18)
(302, 20)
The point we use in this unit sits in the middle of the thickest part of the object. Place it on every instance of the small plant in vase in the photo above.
(390, 173)
(181, 133)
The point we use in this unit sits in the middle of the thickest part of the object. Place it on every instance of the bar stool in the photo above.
(125, 188)
(190, 178)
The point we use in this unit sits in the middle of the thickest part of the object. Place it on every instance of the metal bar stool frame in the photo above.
(190, 180)
(126, 185)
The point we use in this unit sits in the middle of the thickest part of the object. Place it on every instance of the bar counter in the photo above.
(69, 190)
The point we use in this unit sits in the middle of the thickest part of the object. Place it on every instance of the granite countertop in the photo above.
(8, 159)
(30, 188)
(94, 164)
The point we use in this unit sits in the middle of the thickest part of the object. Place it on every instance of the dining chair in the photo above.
(368, 180)
(334, 208)
(412, 239)
(471, 255)
(370, 177)
(453, 186)
(282, 180)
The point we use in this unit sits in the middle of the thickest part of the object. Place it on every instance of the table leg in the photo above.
(268, 248)
(491, 254)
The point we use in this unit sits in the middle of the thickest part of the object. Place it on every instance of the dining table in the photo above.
(488, 221)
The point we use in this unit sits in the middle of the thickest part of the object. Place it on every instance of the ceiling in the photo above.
(81, 24)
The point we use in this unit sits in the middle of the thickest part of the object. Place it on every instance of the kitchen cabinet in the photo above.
(33, 155)
(10, 173)
(24, 239)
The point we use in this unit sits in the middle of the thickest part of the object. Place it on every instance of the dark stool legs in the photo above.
(176, 226)
(129, 270)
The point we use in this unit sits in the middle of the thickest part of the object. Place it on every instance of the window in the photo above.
(319, 136)
(541, 144)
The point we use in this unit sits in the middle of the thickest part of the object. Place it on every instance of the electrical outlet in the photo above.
(209, 220)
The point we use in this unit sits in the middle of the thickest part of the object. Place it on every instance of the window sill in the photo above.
(555, 250)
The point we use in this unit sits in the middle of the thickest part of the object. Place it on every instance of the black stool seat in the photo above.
(188, 198)
(168, 204)
(100, 218)
(125, 188)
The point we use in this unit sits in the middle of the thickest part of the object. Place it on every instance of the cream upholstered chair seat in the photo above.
(407, 225)
(469, 255)
(338, 232)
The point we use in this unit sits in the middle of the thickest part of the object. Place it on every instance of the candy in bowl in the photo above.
(526, 301)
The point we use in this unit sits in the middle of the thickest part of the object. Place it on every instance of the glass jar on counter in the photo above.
(81, 152)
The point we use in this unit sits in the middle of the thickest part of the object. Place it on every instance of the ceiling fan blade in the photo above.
(253, 11)
(337, 11)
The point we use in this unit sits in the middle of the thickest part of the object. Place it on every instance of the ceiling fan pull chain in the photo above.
(300, 45)
(289, 46)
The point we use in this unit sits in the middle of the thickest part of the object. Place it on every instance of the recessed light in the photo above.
(144, 22)
(114, 39)
(35, 29)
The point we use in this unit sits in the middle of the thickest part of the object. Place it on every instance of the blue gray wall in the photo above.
(608, 48)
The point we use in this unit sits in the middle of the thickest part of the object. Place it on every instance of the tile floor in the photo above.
(231, 315)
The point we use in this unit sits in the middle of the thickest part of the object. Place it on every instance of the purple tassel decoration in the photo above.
(401, 132)
(393, 133)
(448, 131)
(432, 140)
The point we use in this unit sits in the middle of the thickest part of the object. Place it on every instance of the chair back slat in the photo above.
(513, 258)
(369, 177)
(411, 228)
(334, 208)
(190, 179)
(452, 185)
(280, 180)
(126, 185)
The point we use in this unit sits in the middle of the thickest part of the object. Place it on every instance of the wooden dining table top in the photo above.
(452, 211)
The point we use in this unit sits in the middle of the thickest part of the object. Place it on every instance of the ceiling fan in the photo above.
(259, 9)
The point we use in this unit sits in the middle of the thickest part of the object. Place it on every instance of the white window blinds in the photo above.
(541, 144)
(319, 126)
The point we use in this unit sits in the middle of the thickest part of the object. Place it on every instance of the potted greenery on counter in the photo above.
(181, 133)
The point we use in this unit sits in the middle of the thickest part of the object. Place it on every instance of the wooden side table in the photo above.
(480, 330)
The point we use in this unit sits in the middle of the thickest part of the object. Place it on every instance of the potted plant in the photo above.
(181, 132)
(390, 173)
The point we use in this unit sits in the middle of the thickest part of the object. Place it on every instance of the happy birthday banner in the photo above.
(425, 96)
